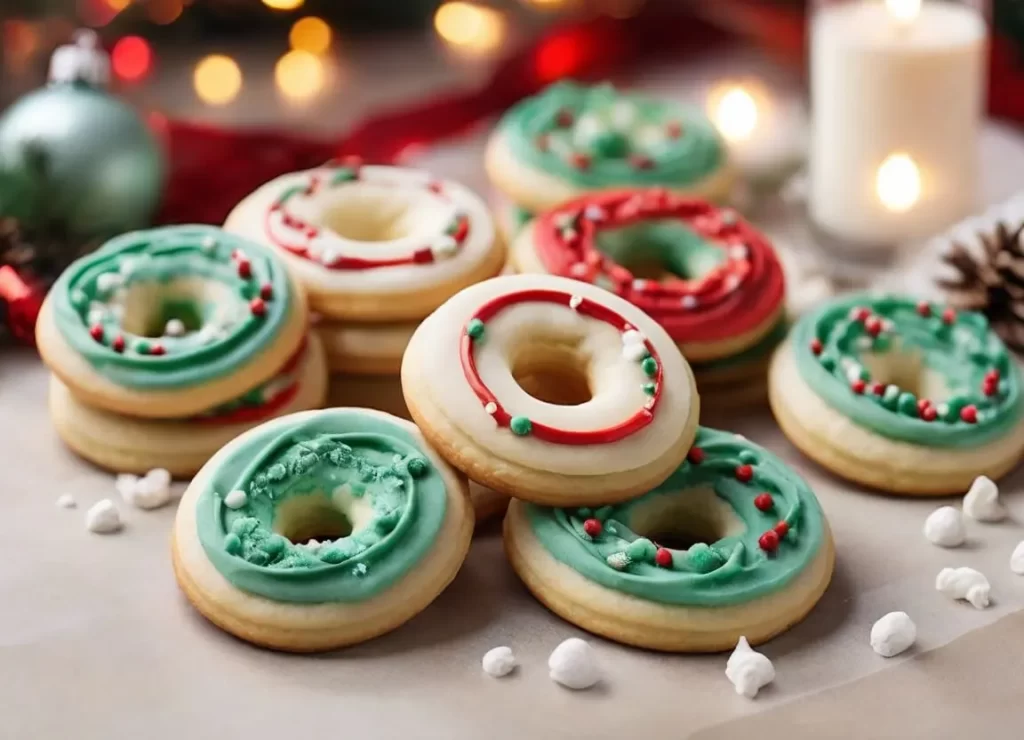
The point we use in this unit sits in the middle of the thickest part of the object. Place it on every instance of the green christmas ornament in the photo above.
(76, 159)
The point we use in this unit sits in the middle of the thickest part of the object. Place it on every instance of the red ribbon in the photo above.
(23, 302)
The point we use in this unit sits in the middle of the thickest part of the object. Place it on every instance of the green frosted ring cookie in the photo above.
(321, 529)
(733, 544)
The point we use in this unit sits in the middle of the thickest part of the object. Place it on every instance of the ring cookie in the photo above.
(551, 390)
(320, 530)
(904, 396)
(732, 544)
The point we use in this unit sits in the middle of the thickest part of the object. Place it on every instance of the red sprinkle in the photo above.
(663, 558)
(461, 229)
(435, 186)
(695, 455)
(989, 388)
(782, 528)
(580, 161)
(923, 309)
(929, 413)
(266, 291)
(858, 386)
(769, 541)
(878, 388)
(593, 527)
(873, 326)
(923, 403)
(674, 129)
(764, 501)
(96, 332)
(564, 117)
(992, 376)
(244, 268)
(157, 349)
(969, 414)
(118, 343)
(816, 346)
(948, 316)
(641, 162)
(744, 473)
(860, 313)
(257, 306)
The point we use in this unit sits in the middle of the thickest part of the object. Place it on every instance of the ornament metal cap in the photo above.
(81, 61)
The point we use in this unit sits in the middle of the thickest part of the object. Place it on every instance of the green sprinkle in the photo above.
(274, 545)
(475, 329)
(232, 544)
(828, 362)
(649, 366)
(641, 550)
(907, 404)
(649, 388)
(142, 347)
(520, 425)
(332, 555)
(703, 558)
(890, 396)
(417, 467)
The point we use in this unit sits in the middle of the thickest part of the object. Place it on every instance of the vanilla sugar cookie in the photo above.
(171, 323)
(573, 139)
(320, 530)
(733, 544)
(904, 396)
(360, 348)
(551, 390)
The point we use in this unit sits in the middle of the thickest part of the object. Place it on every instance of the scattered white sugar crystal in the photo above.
(574, 665)
(945, 527)
(965, 584)
(748, 670)
(67, 501)
(236, 499)
(174, 328)
(151, 491)
(1017, 559)
(982, 501)
(103, 517)
(499, 661)
(892, 634)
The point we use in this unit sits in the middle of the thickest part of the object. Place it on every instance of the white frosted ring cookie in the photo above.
(373, 243)
(551, 390)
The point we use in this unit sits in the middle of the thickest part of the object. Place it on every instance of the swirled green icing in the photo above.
(962, 350)
(733, 569)
(157, 272)
(368, 468)
(626, 138)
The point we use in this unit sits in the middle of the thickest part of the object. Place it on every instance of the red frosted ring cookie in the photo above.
(706, 275)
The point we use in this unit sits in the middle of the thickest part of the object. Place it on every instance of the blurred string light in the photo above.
(299, 75)
(310, 34)
(131, 58)
(470, 28)
(546, 5)
(163, 12)
(217, 79)
(117, 5)
(20, 42)
(283, 4)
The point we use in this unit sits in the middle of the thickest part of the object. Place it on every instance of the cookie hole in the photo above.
(146, 307)
(371, 219)
(908, 371)
(553, 372)
(660, 249)
(680, 520)
(311, 517)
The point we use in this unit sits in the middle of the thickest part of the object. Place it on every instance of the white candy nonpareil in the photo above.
(66, 501)
(892, 634)
(149, 492)
(236, 499)
(965, 584)
(174, 328)
(945, 527)
(1017, 559)
(103, 517)
(499, 661)
(982, 501)
(573, 664)
(748, 670)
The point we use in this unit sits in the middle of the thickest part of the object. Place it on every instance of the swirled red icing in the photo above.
(735, 297)
(584, 307)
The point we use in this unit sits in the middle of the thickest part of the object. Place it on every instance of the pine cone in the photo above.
(991, 283)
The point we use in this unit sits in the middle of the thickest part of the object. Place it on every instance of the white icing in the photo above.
(1017, 559)
(236, 499)
(499, 661)
(892, 634)
(748, 670)
(422, 216)
(982, 501)
(574, 665)
(66, 501)
(945, 527)
(964, 584)
(149, 492)
(616, 383)
(103, 517)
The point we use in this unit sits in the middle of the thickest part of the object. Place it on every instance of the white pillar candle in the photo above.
(897, 93)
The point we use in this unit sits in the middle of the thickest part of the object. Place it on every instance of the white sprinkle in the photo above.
(574, 665)
(945, 527)
(618, 560)
(149, 492)
(730, 218)
(594, 213)
(731, 282)
(575, 301)
(942, 410)
(444, 247)
(96, 316)
(634, 352)
(748, 670)
(125, 484)
(127, 266)
(78, 297)
(109, 281)
(853, 372)
(689, 301)
(491, 408)
(649, 404)
(964, 584)
(892, 634)
(174, 328)
(982, 501)
(103, 518)
(624, 114)
(499, 661)
(739, 251)
(236, 499)
(208, 243)
(632, 336)
(67, 501)
(579, 269)
(640, 285)
(328, 256)
(1017, 559)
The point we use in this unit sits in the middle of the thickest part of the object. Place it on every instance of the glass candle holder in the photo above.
(897, 93)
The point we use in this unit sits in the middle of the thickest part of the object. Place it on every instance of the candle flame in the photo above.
(898, 183)
(904, 11)
(735, 113)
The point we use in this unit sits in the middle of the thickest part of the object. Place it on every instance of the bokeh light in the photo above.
(20, 42)
(217, 79)
(898, 183)
(164, 12)
(117, 5)
(734, 111)
(474, 29)
(131, 58)
(299, 75)
(310, 34)
(283, 4)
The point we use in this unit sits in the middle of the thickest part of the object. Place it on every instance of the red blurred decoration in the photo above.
(23, 301)
(131, 58)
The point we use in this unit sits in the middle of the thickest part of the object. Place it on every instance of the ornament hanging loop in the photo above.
(82, 61)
